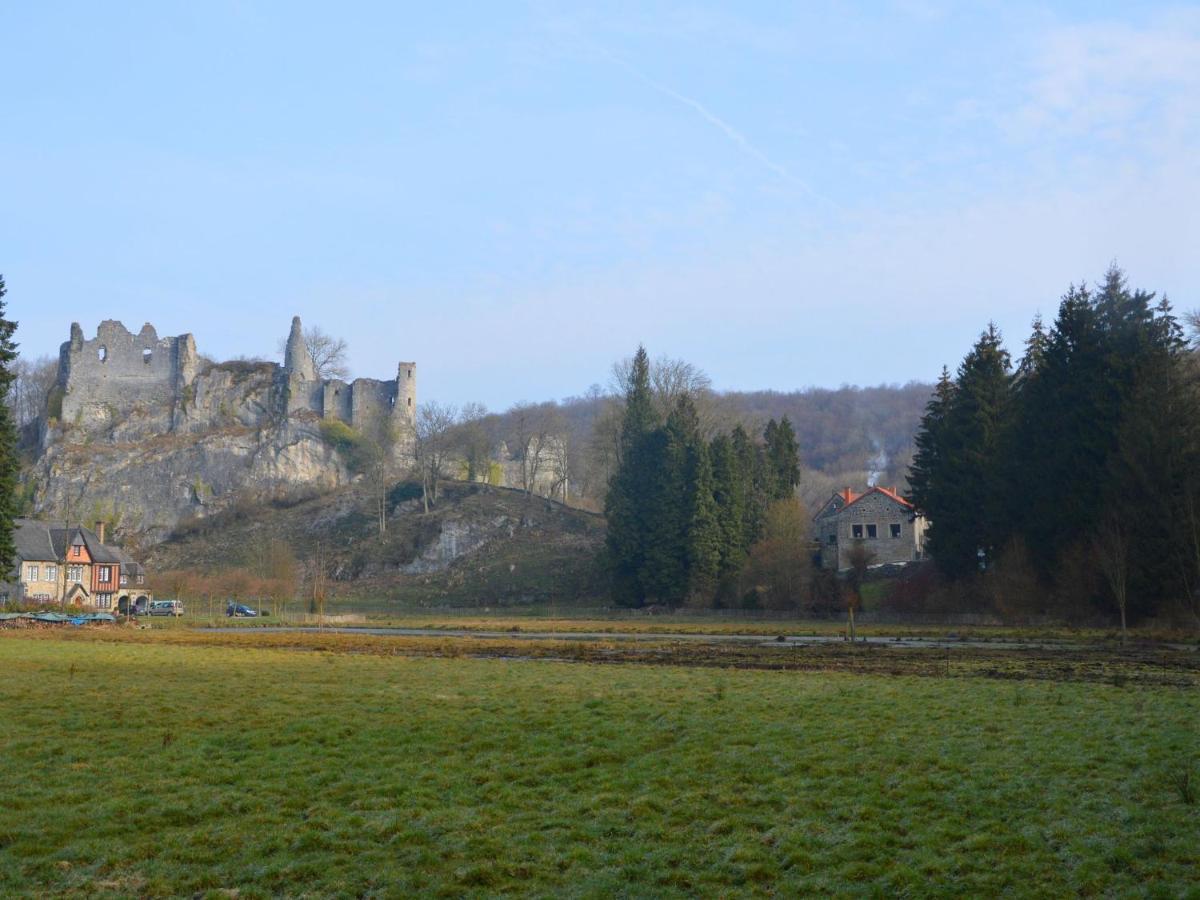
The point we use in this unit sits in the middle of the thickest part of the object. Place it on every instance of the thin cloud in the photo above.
(739, 139)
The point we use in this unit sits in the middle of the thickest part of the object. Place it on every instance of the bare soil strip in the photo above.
(1148, 664)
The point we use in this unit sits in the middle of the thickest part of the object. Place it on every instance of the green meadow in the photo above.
(151, 769)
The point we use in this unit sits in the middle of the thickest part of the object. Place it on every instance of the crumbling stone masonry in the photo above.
(118, 373)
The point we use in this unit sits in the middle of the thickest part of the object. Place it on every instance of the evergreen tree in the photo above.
(631, 485)
(729, 493)
(9, 462)
(965, 506)
(752, 469)
(929, 488)
(663, 570)
(705, 536)
(684, 538)
(1066, 434)
(782, 458)
(1151, 474)
(1035, 352)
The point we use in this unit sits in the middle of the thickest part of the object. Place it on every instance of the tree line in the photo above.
(685, 511)
(1070, 481)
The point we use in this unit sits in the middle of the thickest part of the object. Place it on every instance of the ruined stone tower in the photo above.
(366, 404)
(117, 372)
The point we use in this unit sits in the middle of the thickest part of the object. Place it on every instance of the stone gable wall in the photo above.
(883, 512)
(117, 371)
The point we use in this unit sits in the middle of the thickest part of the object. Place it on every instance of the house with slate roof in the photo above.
(73, 566)
(878, 518)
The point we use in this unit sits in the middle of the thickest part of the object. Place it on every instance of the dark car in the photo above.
(240, 610)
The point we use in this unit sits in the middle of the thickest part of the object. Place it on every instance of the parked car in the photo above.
(166, 608)
(240, 610)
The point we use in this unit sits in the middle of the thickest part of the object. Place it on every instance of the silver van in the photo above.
(166, 608)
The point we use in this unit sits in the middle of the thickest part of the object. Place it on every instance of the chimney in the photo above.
(100, 530)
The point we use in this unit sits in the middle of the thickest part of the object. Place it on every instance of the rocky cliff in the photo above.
(139, 431)
(149, 465)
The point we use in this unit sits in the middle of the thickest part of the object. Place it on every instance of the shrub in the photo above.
(405, 490)
(354, 448)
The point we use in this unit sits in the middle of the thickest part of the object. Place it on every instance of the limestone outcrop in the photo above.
(140, 431)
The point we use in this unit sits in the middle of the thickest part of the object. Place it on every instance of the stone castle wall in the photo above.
(117, 371)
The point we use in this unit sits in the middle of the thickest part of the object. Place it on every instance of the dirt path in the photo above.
(772, 640)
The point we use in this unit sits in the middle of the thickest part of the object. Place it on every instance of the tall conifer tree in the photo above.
(729, 492)
(782, 458)
(630, 487)
(9, 462)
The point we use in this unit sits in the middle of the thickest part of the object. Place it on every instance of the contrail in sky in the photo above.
(728, 130)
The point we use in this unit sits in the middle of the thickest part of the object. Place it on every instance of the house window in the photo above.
(52, 573)
(141, 579)
(104, 601)
(831, 540)
(856, 531)
(895, 531)
(75, 574)
(77, 550)
(872, 531)
(105, 574)
(124, 579)
(32, 573)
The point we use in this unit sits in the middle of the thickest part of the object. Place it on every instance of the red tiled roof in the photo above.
(887, 492)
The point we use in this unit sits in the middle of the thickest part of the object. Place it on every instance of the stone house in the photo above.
(879, 518)
(37, 578)
(73, 566)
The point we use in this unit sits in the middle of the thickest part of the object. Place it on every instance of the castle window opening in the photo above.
(872, 531)
(410, 401)
(146, 354)
(103, 353)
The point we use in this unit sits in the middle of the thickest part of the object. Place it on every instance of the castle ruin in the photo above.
(119, 373)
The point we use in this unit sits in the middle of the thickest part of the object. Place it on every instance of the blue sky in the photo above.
(515, 195)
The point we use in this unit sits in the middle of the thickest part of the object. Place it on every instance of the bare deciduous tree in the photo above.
(670, 379)
(318, 580)
(328, 353)
(474, 441)
(435, 422)
(535, 430)
(860, 557)
(32, 382)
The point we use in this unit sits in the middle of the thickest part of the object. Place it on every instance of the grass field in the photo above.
(143, 767)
